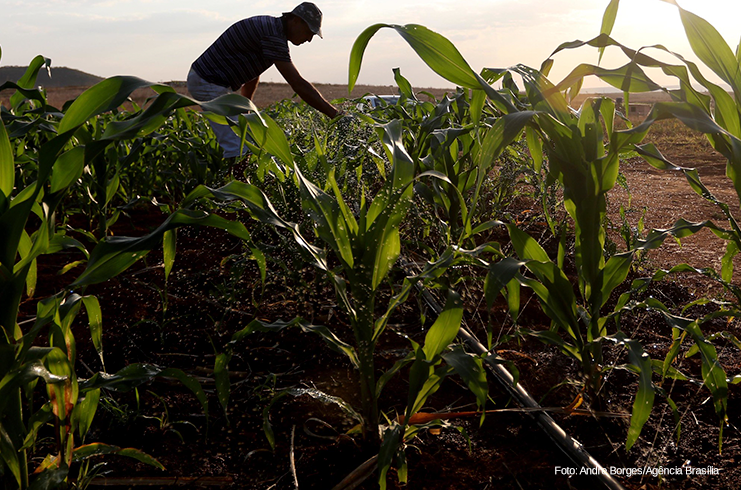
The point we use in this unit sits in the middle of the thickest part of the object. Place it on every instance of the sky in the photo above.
(157, 40)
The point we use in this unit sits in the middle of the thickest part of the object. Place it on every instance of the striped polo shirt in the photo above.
(244, 51)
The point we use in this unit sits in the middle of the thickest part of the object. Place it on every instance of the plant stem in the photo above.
(363, 327)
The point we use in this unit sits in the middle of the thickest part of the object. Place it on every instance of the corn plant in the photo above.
(48, 166)
(365, 247)
(587, 168)
(449, 139)
(716, 113)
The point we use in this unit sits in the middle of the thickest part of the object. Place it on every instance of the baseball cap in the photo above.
(310, 14)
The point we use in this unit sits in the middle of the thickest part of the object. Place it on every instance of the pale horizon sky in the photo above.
(157, 40)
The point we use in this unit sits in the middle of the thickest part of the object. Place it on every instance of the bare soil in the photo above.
(205, 305)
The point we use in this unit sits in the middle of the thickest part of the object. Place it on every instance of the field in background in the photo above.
(271, 92)
(267, 93)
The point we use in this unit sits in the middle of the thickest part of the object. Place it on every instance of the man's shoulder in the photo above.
(264, 21)
(261, 27)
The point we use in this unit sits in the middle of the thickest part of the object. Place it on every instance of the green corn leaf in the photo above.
(327, 399)
(680, 229)
(28, 80)
(394, 370)
(39, 245)
(671, 355)
(67, 169)
(654, 157)
(96, 449)
(329, 218)
(550, 337)
(644, 399)
(135, 375)
(62, 395)
(439, 54)
(556, 295)
(31, 278)
(388, 209)
(504, 131)
(614, 273)
(95, 318)
(470, 368)
(402, 175)
(221, 376)
(332, 340)
(628, 78)
(513, 299)
(7, 169)
(37, 421)
(711, 48)
(357, 51)
(535, 146)
(478, 99)
(267, 427)
(51, 476)
(499, 275)
(445, 328)
(405, 88)
(24, 249)
(112, 188)
(270, 136)
(9, 455)
(526, 246)
(727, 261)
(189, 382)
(386, 253)
(608, 21)
(435, 50)
(607, 110)
(114, 255)
(84, 412)
(261, 209)
(86, 451)
(424, 381)
(393, 437)
(29, 372)
(126, 379)
(169, 248)
(347, 216)
(713, 374)
(677, 417)
(101, 97)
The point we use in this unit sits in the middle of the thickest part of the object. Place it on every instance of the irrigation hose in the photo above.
(573, 449)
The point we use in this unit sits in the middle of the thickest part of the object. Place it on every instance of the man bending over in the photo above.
(244, 51)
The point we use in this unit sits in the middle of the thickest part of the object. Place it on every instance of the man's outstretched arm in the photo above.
(305, 89)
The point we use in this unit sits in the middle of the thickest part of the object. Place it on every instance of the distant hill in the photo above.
(61, 76)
